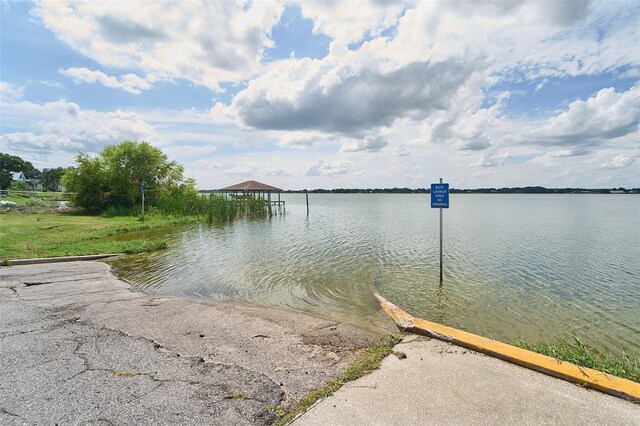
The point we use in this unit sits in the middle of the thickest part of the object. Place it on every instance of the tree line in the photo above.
(111, 180)
(50, 178)
(114, 182)
(509, 190)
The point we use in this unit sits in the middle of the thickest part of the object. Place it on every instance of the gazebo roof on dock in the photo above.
(251, 185)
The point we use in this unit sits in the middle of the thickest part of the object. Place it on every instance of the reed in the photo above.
(218, 209)
(251, 206)
(211, 207)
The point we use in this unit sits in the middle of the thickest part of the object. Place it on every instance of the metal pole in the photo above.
(440, 241)
(307, 196)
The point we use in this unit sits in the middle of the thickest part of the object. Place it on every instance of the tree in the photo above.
(19, 185)
(51, 178)
(5, 179)
(13, 163)
(114, 178)
(131, 164)
(88, 183)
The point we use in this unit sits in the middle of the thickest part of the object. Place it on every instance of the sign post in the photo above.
(440, 200)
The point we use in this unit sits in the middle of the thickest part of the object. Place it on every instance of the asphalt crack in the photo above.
(8, 413)
(34, 283)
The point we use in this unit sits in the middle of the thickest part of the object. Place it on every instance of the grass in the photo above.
(24, 236)
(238, 395)
(626, 366)
(366, 362)
(47, 199)
(43, 232)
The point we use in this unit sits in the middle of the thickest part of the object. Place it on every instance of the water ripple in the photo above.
(515, 265)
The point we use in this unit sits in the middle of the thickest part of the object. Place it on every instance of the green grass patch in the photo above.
(24, 236)
(624, 365)
(364, 364)
(44, 199)
(237, 395)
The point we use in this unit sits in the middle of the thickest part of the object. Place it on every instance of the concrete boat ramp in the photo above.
(442, 384)
(79, 347)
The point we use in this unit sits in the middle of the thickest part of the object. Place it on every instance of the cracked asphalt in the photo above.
(79, 347)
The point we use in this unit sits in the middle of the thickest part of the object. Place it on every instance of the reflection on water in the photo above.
(532, 266)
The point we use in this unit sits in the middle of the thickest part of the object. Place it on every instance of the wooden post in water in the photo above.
(307, 196)
(440, 241)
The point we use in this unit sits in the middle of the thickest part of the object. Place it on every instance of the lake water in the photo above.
(530, 266)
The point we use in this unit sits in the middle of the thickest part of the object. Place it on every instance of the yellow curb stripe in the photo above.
(564, 370)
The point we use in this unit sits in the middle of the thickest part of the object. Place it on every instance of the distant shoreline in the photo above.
(513, 190)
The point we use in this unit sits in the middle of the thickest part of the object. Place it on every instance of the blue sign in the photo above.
(439, 195)
(142, 188)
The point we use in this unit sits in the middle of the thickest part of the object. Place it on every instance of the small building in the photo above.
(35, 184)
(252, 188)
(18, 177)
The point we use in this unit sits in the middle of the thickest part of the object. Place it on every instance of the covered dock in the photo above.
(254, 189)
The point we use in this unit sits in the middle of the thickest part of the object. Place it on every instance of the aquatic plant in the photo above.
(211, 207)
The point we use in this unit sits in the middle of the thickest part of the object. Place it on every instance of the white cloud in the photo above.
(246, 171)
(347, 92)
(575, 152)
(325, 168)
(354, 94)
(130, 83)
(533, 39)
(369, 144)
(10, 92)
(620, 161)
(203, 42)
(421, 87)
(483, 173)
(347, 22)
(401, 151)
(605, 116)
(492, 159)
(64, 128)
(277, 171)
(220, 114)
(305, 139)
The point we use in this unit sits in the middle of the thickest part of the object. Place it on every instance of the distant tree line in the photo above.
(510, 190)
(367, 191)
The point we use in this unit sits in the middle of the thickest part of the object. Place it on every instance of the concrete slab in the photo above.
(442, 384)
(79, 347)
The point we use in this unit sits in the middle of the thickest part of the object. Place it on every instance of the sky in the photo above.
(352, 94)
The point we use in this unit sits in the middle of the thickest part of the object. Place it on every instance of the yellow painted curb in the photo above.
(564, 370)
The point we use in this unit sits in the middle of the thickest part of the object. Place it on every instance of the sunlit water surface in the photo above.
(530, 266)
